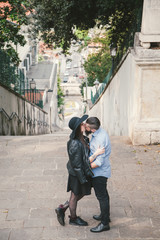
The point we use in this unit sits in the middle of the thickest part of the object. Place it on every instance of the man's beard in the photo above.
(87, 132)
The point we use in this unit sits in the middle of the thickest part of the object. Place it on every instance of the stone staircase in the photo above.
(33, 182)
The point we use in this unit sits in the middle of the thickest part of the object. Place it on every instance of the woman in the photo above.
(79, 169)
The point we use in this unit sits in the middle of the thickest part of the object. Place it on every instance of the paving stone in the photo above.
(37, 222)
(4, 234)
(5, 162)
(26, 234)
(11, 224)
(7, 183)
(120, 201)
(119, 212)
(145, 212)
(40, 194)
(36, 203)
(7, 203)
(17, 214)
(49, 172)
(50, 233)
(34, 172)
(8, 194)
(155, 222)
(33, 182)
(3, 153)
(139, 232)
(3, 214)
(42, 213)
(10, 172)
(30, 179)
(73, 231)
(139, 228)
(21, 163)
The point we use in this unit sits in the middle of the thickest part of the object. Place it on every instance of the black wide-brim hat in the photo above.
(75, 122)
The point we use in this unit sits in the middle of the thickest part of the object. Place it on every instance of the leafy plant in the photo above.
(60, 94)
(13, 14)
(8, 71)
(98, 64)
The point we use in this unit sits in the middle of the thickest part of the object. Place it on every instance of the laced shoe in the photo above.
(60, 215)
(78, 221)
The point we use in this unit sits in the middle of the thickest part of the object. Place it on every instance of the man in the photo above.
(102, 171)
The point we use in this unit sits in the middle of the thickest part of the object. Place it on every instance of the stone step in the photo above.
(33, 182)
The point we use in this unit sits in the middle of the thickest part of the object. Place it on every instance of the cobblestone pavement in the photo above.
(33, 179)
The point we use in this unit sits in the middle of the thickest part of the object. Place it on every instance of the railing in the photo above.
(33, 95)
(102, 87)
(29, 120)
(107, 79)
(129, 42)
(9, 74)
(13, 77)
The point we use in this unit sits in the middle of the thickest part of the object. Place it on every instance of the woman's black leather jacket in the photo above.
(78, 164)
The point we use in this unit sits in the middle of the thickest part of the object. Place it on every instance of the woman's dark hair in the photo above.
(78, 133)
(93, 122)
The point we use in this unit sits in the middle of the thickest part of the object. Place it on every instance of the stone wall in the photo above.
(20, 117)
(130, 106)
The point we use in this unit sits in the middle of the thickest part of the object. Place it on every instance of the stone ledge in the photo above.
(146, 137)
(146, 133)
(151, 54)
(149, 37)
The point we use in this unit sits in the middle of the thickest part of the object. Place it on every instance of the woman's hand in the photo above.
(99, 151)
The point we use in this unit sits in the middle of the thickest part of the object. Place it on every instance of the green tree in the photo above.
(81, 34)
(8, 71)
(98, 64)
(58, 19)
(13, 14)
(97, 67)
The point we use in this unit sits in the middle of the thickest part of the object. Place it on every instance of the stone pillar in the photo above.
(146, 128)
(34, 52)
(147, 118)
(150, 28)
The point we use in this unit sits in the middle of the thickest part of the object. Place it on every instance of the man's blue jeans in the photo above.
(100, 187)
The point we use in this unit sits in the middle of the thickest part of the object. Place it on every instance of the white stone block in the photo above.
(150, 29)
(151, 17)
(141, 138)
(155, 137)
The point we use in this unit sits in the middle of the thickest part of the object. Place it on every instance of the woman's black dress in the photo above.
(74, 184)
(77, 188)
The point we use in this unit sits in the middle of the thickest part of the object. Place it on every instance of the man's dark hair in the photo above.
(93, 122)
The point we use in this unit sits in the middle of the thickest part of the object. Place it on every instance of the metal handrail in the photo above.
(20, 120)
(14, 78)
(102, 87)
(121, 54)
(117, 63)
